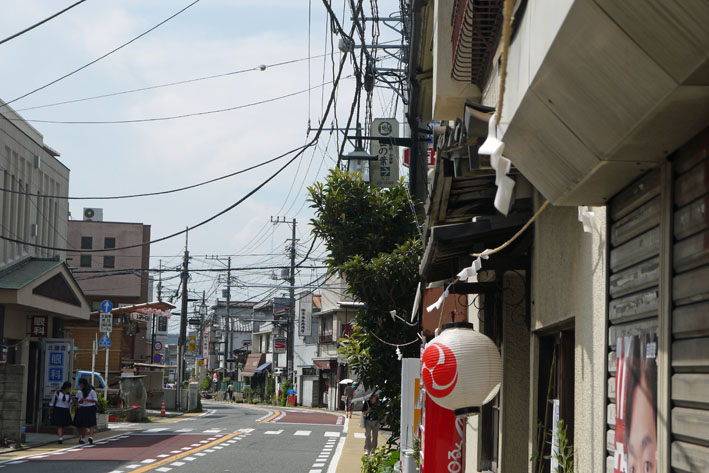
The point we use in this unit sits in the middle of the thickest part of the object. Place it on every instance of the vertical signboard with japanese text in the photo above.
(161, 328)
(304, 308)
(443, 439)
(384, 172)
(58, 362)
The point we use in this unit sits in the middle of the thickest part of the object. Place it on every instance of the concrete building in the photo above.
(606, 106)
(334, 322)
(96, 271)
(38, 293)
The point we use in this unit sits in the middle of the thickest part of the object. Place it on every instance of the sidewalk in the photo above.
(351, 459)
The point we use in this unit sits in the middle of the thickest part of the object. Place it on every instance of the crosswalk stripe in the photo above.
(273, 432)
(304, 433)
(332, 434)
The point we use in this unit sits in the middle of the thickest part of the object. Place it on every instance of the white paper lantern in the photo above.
(461, 369)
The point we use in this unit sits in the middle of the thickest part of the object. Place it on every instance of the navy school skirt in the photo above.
(61, 417)
(85, 416)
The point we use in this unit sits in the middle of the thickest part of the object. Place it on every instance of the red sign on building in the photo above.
(443, 439)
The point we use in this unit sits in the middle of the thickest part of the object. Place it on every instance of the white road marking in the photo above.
(273, 432)
(186, 448)
(184, 430)
(189, 459)
(132, 466)
(316, 465)
(177, 464)
(163, 455)
(195, 445)
(176, 451)
(218, 447)
(164, 468)
(211, 431)
(338, 453)
(200, 454)
(148, 460)
(332, 434)
(303, 433)
(315, 471)
(204, 441)
(210, 450)
(160, 429)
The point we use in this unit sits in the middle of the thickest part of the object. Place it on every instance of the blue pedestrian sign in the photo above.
(106, 306)
(105, 342)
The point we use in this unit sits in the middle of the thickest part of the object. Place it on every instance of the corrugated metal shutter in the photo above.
(633, 291)
(639, 230)
(690, 316)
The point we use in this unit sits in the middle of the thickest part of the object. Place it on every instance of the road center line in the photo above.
(183, 454)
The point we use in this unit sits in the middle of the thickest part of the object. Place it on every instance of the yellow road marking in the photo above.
(177, 456)
(275, 414)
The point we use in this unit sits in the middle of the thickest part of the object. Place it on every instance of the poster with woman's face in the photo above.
(636, 404)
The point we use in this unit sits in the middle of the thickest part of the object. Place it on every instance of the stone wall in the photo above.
(11, 394)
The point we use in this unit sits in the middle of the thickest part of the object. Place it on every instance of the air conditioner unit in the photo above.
(93, 214)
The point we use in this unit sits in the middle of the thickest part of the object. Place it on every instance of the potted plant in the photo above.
(101, 412)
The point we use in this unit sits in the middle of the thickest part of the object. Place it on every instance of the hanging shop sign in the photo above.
(40, 324)
(304, 309)
(461, 369)
(384, 172)
(443, 438)
(279, 345)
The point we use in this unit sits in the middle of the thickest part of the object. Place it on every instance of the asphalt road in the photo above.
(226, 438)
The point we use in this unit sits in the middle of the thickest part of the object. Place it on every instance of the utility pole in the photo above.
(291, 310)
(152, 345)
(227, 344)
(183, 325)
(202, 310)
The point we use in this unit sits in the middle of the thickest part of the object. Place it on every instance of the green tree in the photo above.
(372, 240)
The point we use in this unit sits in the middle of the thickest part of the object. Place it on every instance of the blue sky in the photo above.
(212, 37)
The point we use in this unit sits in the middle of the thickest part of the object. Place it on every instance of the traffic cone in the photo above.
(162, 409)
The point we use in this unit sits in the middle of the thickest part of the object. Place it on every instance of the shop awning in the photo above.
(326, 364)
(449, 246)
(253, 361)
(263, 367)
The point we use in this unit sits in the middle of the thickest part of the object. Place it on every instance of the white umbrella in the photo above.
(347, 381)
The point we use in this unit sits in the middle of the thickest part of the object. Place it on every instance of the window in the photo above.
(555, 385)
(86, 243)
(109, 261)
(109, 242)
(85, 261)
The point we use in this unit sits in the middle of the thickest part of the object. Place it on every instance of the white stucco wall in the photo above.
(569, 282)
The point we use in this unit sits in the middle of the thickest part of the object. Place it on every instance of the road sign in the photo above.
(105, 322)
(158, 345)
(105, 341)
(157, 358)
(384, 171)
(106, 306)
(192, 346)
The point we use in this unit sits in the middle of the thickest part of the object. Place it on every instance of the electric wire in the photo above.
(171, 84)
(30, 28)
(298, 153)
(101, 57)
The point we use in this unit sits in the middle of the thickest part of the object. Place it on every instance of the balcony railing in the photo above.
(326, 337)
(477, 25)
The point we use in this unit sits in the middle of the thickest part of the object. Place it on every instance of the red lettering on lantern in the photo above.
(439, 370)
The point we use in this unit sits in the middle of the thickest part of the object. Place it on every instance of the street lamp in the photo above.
(359, 159)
